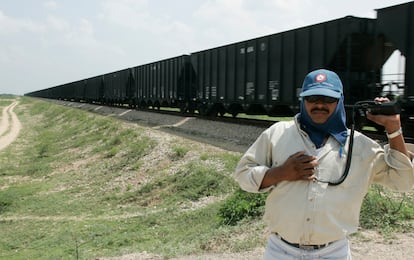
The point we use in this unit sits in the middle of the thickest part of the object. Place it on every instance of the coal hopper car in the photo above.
(395, 27)
(264, 75)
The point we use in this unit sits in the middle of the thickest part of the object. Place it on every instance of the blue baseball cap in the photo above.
(322, 82)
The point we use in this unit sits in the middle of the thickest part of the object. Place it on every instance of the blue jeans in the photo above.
(278, 250)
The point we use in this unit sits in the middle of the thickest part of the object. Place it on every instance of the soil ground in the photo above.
(9, 125)
(369, 245)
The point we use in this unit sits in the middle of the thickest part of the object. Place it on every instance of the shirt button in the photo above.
(308, 219)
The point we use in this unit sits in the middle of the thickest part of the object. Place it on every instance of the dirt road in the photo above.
(371, 246)
(9, 125)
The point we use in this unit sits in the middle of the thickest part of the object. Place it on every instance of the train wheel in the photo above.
(203, 110)
(183, 108)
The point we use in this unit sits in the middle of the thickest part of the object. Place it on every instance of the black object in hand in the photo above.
(386, 108)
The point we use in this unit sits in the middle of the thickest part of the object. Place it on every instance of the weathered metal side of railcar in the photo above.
(94, 90)
(165, 83)
(264, 75)
(115, 85)
(396, 26)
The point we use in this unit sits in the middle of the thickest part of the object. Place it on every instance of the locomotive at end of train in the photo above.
(263, 76)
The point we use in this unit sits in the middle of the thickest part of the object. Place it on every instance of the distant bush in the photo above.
(241, 205)
(179, 152)
(4, 204)
(385, 210)
(382, 209)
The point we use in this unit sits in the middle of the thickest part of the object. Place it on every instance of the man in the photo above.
(314, 201)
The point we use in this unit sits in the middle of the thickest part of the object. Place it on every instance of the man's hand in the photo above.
(391, 123)
(297, 167)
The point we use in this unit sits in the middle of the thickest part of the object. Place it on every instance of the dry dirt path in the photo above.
(371, 246)
(9, 125)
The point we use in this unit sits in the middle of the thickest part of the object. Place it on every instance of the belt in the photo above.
(305, 247)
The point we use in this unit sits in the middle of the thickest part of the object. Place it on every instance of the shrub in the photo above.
(241, 205)
(179, 152)
(383, 210)
(4, 205)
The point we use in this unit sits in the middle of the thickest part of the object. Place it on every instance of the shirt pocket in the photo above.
(332, 167)
(350, 193)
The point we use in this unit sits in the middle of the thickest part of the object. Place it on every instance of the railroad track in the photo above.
(259, 123)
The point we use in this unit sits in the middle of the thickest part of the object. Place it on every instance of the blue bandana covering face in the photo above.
(334, 126)
(325, 83)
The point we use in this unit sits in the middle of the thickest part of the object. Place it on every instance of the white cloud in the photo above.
(10, 25)
(235, 20)
(224, 14)
(86, 27)
(57, 23)
(60, 32)
(143, 31)
(126, 13)
(11, 55)
(81, 33)
(50, 4)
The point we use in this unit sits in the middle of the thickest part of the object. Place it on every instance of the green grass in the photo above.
(387, 212)
(76, 185)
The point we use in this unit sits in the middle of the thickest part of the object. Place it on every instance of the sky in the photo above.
(45, 43)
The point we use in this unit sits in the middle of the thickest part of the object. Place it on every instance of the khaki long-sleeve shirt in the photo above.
(314, 213)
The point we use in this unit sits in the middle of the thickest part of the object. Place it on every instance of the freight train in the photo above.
(264, 75)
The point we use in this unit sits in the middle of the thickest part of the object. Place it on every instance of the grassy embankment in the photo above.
(76, 185)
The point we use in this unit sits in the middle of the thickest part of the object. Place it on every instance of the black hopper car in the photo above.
(264, 75)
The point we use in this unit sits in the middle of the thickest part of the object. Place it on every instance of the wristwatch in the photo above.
(394, 134)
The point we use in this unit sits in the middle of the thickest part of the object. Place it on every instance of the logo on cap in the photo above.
(320, 77)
